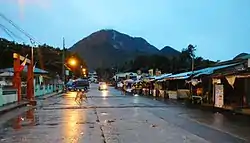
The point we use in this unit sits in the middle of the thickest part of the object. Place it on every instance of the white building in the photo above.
(93, 76)
(6, 78)
(125, 76)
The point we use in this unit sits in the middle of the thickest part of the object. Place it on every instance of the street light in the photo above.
(72, 62)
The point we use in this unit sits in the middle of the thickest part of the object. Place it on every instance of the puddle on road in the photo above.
(104, 113)
(27, 119)
(109, 121)
(84, 122)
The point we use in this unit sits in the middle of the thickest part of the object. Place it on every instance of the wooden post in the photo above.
(30, 78)
(30, 82)
(17, 78)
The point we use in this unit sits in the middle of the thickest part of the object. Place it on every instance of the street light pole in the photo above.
(63, 61)
(193, 60)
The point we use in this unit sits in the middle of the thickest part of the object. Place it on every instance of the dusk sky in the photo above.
(219, 28)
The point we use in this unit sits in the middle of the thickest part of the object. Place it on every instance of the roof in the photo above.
(210, 70)
(197, 73)
(6, 74)
(245, 57)
(184, 75)
(36, 71)
(125, 74)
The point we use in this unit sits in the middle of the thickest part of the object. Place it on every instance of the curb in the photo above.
(13, 108)
(51, 95)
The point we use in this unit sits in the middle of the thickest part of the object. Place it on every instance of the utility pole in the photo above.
(63, 61)
(193, 60)
(192, 69)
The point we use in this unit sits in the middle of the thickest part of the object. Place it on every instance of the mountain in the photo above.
(169, 51)
(107, 48)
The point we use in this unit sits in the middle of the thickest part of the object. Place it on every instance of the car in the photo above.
(103, 86)
(81, 84)
(70, 88)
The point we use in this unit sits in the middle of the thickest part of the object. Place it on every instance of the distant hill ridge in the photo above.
(106, 48)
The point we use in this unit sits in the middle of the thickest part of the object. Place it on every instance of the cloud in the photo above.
(22, 4)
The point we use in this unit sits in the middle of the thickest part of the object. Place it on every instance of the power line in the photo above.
(7, 32)
(20, 29)
(10, 33)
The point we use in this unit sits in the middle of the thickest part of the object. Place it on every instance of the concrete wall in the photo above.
(39, 91)
(8, 98)
(46, 89)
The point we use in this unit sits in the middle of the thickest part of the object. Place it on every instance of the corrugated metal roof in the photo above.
(36, 71)
(163, 76)
(245, 57)
(205, 71)
(184, 75)
(210, 70)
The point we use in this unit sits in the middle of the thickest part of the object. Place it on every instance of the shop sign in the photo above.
(67, 72)
(219, 95)
(151, 72)
(139, 72)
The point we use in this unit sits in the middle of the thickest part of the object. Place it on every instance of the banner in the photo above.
(231, 80)
(34, 67)
(22, 66)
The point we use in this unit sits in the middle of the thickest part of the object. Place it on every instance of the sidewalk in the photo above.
(12, 106)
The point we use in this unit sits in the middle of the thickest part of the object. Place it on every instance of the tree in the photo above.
(191, 50)
(46, 57)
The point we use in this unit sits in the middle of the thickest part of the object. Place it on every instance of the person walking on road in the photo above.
(80, 96)
(124, 88)
(121, 86)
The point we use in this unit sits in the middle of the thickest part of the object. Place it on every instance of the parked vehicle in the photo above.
(81, 84)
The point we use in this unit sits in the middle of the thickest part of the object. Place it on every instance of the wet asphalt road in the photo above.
(109, 117)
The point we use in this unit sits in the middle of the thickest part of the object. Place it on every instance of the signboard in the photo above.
(219, 95)
(40, 79)
(158, 73)
(139, 72)
(151, 72)
(248, 64)
(67, 72)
